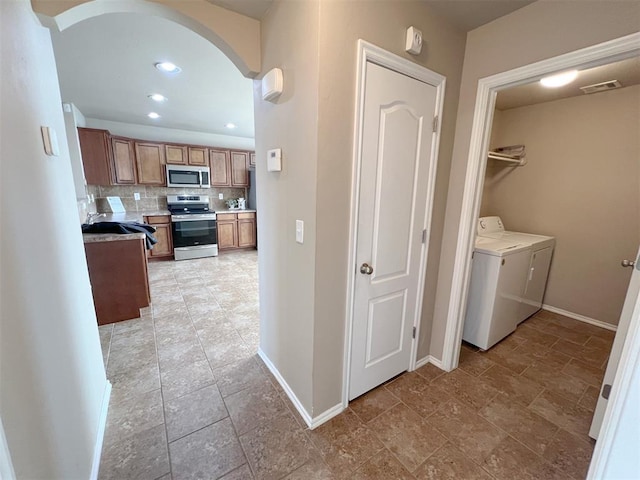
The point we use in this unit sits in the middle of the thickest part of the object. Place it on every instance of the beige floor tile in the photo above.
(193, 411)
(564, 413)
(143, 455)
(314, 469)
(237, 376)
(177, 309)
(186, 379)
(425, 401)
(373, 403)
(449, 463)
(240, 473)
(466, 430)
(208, 453)
(228, 349)
(534, 335)
(125, 360)
(521, 423)
(254, 407)
(182, 352)
(590, 398)
(473, 391)
(511, 460)
(585, 372)
(133, 416)
(511, 358)
(550, 358)
(430, 372)
(278, 448)
(474, 363)
(570, 454)
(557, 382)
(407, 435)
(134, 381)
(519, 389)
(594, 356)
(383, 466)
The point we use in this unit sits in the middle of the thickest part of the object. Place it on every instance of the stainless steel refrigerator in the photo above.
(251, 191)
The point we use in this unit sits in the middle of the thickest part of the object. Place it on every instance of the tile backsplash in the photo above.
(155, 198)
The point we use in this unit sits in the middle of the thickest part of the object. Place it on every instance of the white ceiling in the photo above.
(106, 68)
(627, 72)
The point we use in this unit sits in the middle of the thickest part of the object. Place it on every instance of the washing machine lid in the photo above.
(492, 227)
(497, 247)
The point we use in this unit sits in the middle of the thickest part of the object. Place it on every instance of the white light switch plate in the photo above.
(220, 196)
(299, 231)
(136, 196)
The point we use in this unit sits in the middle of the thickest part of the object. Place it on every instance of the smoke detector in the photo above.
(601, 87)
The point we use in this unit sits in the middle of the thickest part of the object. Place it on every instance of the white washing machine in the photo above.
(538, 273)
(498, 277)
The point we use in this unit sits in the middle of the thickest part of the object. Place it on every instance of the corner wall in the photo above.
(582, 185)
(536, 32)
(52, 379)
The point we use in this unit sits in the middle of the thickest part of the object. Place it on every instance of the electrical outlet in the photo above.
(299, 231)
(220, 196)
(136, 196)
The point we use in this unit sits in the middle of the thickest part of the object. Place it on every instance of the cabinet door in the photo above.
(164, 247)
(176, 154)
(220, 168)
(239, 172)
(198, 156)
(94, 147)
(246, 233)
(252, 159)
(123, 161)
(227, 235)
(150, 162)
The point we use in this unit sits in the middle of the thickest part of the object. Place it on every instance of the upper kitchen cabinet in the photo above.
(96, 156)
(150, 163)
(186, 155)
(123, 161)
(198, 156)
(220, 168)
(239, 172)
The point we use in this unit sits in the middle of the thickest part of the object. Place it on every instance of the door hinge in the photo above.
(435, 123)
(472, 254)
(424, 236)
(414, 332)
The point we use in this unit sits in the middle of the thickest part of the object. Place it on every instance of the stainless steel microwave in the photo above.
(184, 176)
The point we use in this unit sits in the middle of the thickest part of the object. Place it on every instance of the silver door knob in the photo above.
(366, 269)
(625, 263)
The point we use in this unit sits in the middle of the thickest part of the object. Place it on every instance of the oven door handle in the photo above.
(191, 218)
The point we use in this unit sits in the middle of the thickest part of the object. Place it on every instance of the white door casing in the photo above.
(397, 161)
(616, 350)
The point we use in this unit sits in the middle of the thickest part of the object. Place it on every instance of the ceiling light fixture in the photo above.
(560, 79)
(168, 67)
(156, 97)
(230, 125)
(153, 115)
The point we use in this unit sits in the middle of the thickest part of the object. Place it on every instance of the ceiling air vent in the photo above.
(601, 87)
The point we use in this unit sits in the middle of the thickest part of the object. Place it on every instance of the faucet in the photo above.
(91, 217)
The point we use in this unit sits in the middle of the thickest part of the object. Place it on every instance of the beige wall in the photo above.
(303, 287)
(52, 378)
(582, 185)
(541, 30)
(383, 24)
(289, 42)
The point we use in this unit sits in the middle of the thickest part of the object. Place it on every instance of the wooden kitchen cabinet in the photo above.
(239, 169)
(150, 163)
(198, 156)
(236, 230)
(119, 279)
(124, 161)
(96, 155)
(164, 248)
(220, 167)
(176, 154)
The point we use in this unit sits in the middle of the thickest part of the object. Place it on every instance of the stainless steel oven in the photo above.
(193, 228)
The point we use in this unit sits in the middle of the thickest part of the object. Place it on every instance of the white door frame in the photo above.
(368, 52)
(488, 87)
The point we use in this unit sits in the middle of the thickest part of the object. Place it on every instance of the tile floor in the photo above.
(191, 399)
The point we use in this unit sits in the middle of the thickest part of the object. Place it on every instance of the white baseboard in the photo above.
(429, 359)
(312, 422)
(582, 318)
(102, 424)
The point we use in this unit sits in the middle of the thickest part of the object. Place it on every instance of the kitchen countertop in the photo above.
(236, 210)
(110, 237)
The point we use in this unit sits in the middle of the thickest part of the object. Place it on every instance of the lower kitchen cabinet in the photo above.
(164, 248)
(119, 279)
(236, 230)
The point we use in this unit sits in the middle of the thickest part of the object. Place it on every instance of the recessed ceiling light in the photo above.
(559, 80)
(153, 115)
(156, 97)
(230, 125)
(168, 67)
